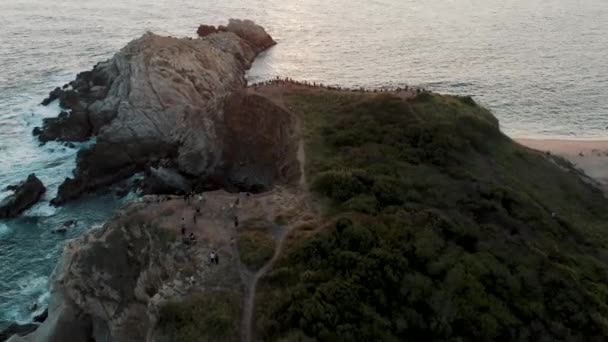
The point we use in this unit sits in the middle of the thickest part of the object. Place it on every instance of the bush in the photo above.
(213, 315)
(256, 248)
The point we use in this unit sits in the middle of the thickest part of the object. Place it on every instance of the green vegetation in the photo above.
(256, 248)
(209, 316)
(439, 228)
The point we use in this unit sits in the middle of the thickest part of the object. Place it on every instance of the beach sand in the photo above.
(591, 156)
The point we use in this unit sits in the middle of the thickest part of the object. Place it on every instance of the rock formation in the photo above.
(163, 181)
(159, 97)
(17, 329)
(25, 195)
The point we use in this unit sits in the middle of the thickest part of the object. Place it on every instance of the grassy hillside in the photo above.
(438, 227)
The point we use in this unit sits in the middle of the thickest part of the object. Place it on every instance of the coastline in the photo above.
(591, 156)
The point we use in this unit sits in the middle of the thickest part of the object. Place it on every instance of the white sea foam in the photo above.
(3, 229)
(42, 209)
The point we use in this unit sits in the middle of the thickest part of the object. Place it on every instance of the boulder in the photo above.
(205, 30)
(163, 181)
(17, 329)
(25, 195)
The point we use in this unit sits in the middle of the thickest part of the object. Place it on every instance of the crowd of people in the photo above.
(288, 81)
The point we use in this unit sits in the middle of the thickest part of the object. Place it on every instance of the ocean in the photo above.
(540, 65)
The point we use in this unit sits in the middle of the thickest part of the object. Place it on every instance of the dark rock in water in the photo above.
(37, 131)
(72, 126)
(70, 145)
(163, 181)
(53, 95)
(60, 230)
(70, 223)
(17, 329)
(26, 195)
(42, 316)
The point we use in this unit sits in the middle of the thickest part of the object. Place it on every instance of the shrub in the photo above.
(213, 315)
(256, 248)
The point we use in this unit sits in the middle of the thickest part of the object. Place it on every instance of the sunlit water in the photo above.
(540, 65)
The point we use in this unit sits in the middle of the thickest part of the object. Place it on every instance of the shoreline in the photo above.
(591, 156)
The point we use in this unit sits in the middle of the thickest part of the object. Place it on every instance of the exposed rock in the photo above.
(163, 181)
(72, 126)
(17, 329)
(111, 284)
(259, 144)
(106, 163)
(159, 97)
(26, 195)
(205, 30)
(42, 316)
(251, 33)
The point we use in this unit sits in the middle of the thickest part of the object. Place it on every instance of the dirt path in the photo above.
(251, 280)
(247, 325)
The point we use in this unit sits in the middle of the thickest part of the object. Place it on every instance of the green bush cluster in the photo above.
(209, 316)
(256, 248)
(441, 229)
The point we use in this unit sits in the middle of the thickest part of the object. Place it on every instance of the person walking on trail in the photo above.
(212, 257)
(217, 258)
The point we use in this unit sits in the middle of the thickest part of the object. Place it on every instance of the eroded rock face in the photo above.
(159, 97)
(26, 195)
(259, 144)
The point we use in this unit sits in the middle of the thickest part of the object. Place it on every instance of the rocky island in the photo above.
(290, 211)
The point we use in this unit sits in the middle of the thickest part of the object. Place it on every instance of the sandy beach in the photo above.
(590, 156)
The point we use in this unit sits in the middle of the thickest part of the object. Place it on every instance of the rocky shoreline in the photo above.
(172, 108)
(159, 101)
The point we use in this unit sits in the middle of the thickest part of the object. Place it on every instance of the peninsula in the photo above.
(293, 211)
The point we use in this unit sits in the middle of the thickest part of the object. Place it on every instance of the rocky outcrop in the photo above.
(17, 329)
(163, 181)
(205, 30)
(159, 97)
(112, 283)
(25, 195)
(259, 144)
